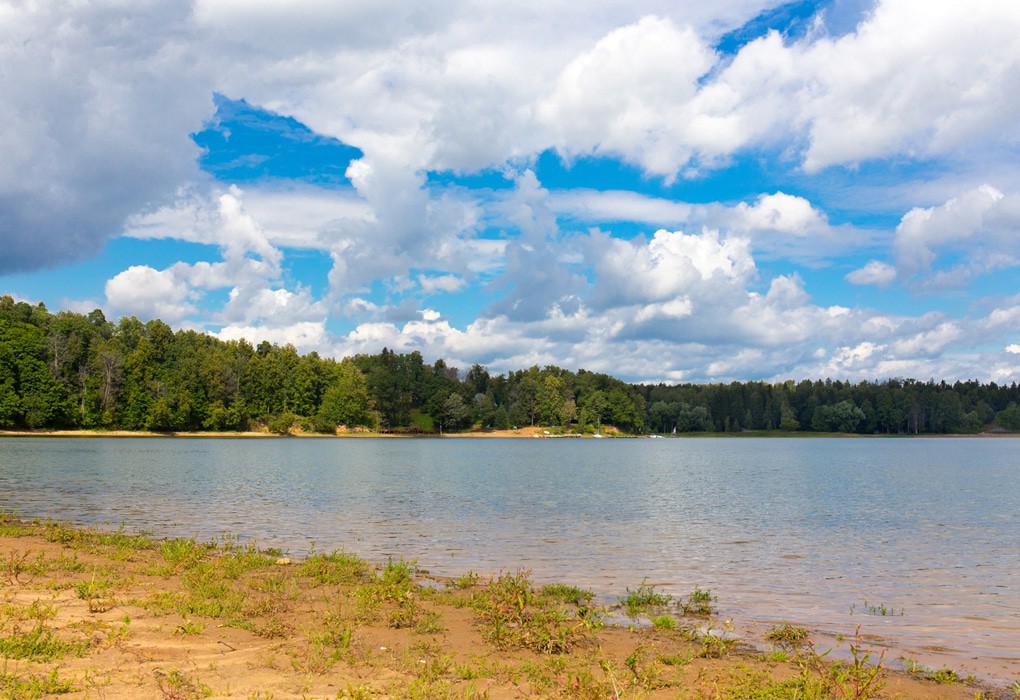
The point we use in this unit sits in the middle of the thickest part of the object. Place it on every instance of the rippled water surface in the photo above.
(806, 530)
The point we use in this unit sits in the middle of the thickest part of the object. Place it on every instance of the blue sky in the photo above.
(665, 191)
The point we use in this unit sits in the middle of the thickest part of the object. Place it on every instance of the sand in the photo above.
(112, 615)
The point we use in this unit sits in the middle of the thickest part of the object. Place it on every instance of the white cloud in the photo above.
(272, 307)
(1013, 349)
(611, 206)
(305, 336)
(781, 213)
(99, 100)
(922, 230)
(915, 77)
(98, 103)
(440, 283)
(143, 291)
(671, 265)
(875, 272)
(974, 231)
(614, 98)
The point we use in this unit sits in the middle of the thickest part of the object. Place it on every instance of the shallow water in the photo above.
(813, 531)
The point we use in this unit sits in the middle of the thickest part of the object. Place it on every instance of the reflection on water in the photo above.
(801, 530)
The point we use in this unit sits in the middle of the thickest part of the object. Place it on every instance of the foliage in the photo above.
(853, 680)
(516, 614)
(69, 370)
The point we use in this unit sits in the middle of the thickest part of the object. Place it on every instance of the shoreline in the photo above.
(237, 620)
(519, 433)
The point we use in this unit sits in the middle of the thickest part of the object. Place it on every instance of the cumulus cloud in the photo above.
(614, 98)
(99, 99)
(440, 283)
(968, 235)
(875, 272)
(672, 264)
(882, 89)
(782, 213)
(98, 103)
(305, 336)
(143, 291)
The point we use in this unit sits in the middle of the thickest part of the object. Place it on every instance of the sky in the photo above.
(663, 190)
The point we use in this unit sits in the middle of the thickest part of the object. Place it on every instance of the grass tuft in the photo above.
(642, 598)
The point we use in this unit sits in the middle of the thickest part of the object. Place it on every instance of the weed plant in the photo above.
(517, 615)
(29, 686)
(877, 609)
(39, 644)
(174, 685)
(643, 598)
(336, 568)
(788, 637)
(664, 622)
(698, 603)
(563, 593)
(856, 680)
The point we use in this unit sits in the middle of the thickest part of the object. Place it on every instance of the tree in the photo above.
(454, 412)
(346, 400)
(484, 409)
(843, 417)
(592, 409)
(549, 400)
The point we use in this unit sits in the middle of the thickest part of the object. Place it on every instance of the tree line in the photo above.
(70, 370)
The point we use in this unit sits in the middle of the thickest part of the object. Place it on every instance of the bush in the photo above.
(282, 424)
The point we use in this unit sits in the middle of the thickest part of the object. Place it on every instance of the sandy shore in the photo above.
(89, 614)
(529, 432)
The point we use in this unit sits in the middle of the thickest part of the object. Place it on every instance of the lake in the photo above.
(819, 532)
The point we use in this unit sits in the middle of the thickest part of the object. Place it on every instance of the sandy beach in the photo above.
(91, 614)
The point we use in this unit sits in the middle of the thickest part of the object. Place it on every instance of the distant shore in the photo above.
(528, 432)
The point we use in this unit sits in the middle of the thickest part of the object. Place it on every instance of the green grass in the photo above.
(568, 594)
(39, 644)
(787, 636)
(642, 598)
(117, 545)
(664, 622)
(93, 588)
(189, 628)
(516, 615)
(698, 603)
(182, 552)
(468, 580)
(856, 678)
(336, 568)
(29, 686)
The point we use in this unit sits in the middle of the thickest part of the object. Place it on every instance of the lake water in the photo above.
(804, 530)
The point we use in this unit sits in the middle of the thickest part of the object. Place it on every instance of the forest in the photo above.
(68, 370)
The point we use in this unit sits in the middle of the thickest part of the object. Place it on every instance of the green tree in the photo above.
(843, 417)
(346, 400)
(454, 412)
(549, 399)
(592, 409)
